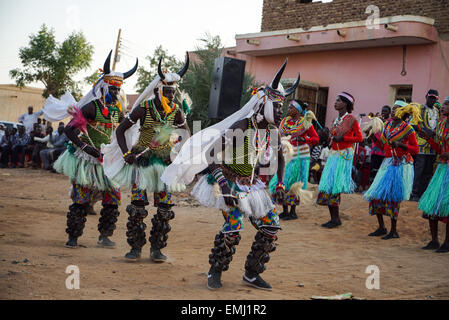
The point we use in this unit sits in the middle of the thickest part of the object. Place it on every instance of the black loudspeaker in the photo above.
(227, 86)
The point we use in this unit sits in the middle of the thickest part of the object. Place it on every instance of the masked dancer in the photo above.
(232, 184)
(94, 119)
(139, 155)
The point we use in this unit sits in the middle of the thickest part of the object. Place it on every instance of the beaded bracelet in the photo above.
(129, 118)
(126, 154)
(280, 185)
(219, 177)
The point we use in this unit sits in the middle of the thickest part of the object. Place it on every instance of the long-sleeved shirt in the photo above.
(404, 134)
(54, 140)
(29, 120)
(60, 140)
(350, 128)
(21, 140)
(5, 141)
(376, 146)
(297, 129)
(429, 123)
(440, 143)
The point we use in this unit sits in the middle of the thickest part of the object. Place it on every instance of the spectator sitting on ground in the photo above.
(30, 118)
(20, 143)
(6, 148)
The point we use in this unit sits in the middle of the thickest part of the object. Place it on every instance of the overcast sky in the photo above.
(175, 24)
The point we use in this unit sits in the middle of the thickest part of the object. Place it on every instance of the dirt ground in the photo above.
(309, 259)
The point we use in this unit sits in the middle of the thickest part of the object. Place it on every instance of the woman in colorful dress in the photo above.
(336, 177)
(394, 180)
(297, 125)
(435, 201)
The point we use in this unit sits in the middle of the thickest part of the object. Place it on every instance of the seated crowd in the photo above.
(39, 148)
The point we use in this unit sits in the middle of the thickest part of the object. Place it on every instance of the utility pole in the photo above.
(116, 49)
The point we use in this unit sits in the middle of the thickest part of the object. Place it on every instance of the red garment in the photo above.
(376, 146)
(310, 136)
(443, 146)
(412, 147)
(354, 135)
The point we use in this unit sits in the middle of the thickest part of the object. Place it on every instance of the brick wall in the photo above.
(289, 14)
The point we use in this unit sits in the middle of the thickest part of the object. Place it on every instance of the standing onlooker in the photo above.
(20, 144)
(30, 118)
(426, 157)
(6, 148)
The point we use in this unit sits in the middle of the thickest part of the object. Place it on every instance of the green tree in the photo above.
(145, 76)
(52, 63)
(198, 79)
(90, 80)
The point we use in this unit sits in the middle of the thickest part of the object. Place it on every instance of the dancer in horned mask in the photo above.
(138, 157)
(232, 184)
(94, 119)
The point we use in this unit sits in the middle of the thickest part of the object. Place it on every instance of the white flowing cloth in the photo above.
(253, 202)
(113, 160)
(192, 157)
(59, 109)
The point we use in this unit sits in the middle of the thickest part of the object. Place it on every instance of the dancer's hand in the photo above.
(130, 158)
(280, 195)
(444, 156)
(229, 197)
(92, 151)
(338, 138)
(397, 144)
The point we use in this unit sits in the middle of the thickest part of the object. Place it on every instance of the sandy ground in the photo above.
(309, 260)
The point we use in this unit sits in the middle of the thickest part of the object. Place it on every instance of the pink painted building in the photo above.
(391, 57)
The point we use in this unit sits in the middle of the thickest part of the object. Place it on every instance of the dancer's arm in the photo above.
(88, 112)
(312, 137)
(215, 167)
(136, 115)
(181, 122)
(280, 193)
(410, 144)
(355, 134)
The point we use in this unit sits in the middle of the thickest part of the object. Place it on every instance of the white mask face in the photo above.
(269, 112)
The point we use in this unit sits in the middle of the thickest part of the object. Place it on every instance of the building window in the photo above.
(401, 92)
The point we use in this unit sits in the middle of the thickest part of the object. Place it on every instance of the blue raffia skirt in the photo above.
(337, 173)
(393, 181)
